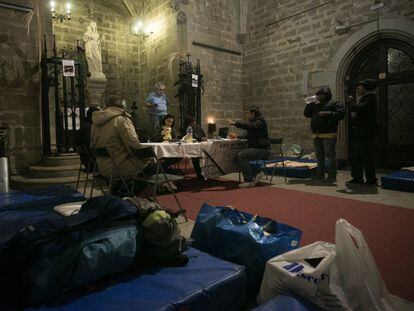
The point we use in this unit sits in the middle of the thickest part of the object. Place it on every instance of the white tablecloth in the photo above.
(222, 152)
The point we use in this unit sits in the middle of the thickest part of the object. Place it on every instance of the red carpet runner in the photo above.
(389, 230)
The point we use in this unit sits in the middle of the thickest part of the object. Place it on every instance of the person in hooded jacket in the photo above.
(325, 115)
(363, 133)
(258, 145)
(112, 128)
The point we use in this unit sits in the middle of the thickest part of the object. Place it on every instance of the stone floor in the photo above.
(361, 193)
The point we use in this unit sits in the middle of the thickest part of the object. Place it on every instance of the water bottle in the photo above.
(311, 99)
(189, 136)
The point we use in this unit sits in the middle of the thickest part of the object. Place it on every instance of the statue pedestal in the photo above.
(96, 87)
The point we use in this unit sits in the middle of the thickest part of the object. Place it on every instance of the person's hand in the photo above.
(350, 100)
(233, 136)
(324, 113)
(203, 138)
(231, 122)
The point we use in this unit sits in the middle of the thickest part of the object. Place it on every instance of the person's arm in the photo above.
(309, 109)
(149, 102)
(338, 113)
(249, 125)
(127, 133)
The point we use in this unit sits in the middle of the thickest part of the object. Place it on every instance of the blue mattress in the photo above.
(295, 172)
(287, 303)
(21, 208)
(401, 181)
(205, 283)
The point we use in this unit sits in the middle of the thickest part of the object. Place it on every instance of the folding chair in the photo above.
(160, 177)
(91, 161)
(277, 153)
(127, 181)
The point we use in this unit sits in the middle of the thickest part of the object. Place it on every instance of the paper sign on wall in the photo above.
(68, 67)
(194, 80)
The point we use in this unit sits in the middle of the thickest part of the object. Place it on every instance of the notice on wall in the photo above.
(194, 80)
(68, 67)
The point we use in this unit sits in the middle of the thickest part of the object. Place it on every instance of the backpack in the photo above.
(54, 255)
(163, 243)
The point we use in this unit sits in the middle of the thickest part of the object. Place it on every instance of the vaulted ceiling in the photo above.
(127, 8)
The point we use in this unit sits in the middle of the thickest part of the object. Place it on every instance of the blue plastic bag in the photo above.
(243, 239)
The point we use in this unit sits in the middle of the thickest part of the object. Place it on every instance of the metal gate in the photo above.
(66, 94)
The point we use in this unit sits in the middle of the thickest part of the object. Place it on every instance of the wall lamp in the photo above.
(64, 16)
(141, 30)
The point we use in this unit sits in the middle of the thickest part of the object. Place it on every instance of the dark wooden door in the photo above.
(391, 63)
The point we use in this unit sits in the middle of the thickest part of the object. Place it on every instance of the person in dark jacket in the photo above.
(325, 115)
(258, 145)
(199, 135)
(363, 132)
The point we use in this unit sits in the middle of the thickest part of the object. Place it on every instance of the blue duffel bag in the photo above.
(243, 239)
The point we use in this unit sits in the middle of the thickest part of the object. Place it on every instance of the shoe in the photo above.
(371, 183)
(318, 177)
(247, 184)
(170, 185)
(200, 177)
(259, 176)
(355, 181)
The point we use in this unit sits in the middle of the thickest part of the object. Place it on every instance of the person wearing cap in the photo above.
(325, 115)
(363, 132)
(156, 104)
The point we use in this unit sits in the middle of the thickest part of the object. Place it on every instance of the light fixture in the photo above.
(64, 16)
(141, 28)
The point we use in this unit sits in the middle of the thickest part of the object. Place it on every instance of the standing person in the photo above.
(325, 115)
(199, 135)
(363, 133)
(258, 145)
(156, 104)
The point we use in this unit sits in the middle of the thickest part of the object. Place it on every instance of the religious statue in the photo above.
(93, 51)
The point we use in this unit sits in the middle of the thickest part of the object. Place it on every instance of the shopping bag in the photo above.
(309, 272)
(243, 239)
(359, 275)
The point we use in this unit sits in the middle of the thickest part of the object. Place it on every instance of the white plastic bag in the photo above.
(359, 275)
(309, 271)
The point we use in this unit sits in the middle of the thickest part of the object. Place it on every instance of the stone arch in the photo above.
(399, 29)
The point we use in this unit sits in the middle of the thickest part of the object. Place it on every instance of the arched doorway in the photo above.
(391, 62)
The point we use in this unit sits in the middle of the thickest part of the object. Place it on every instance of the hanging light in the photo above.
(141, 29)
(64, 16)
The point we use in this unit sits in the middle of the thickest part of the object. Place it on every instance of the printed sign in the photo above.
(68, 67)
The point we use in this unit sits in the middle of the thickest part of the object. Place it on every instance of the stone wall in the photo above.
(214, 23)
(20, 83)
(290, 46)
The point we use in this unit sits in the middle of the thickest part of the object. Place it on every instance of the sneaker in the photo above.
(259, 176)
(355, 181)
(170, 185)
(247, 184)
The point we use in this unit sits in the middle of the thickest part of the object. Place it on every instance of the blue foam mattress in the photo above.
(401, 181)
(205, 283)
(295, 172)
(287, 303)
(19, 209)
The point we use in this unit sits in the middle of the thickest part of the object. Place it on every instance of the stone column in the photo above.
(95, 89)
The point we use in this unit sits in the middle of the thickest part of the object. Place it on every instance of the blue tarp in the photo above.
(19, 209)
(205, 283)
(401, 181)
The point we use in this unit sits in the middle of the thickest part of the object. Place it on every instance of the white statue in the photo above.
(93, 51)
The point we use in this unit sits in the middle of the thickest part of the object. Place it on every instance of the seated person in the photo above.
(166, 133)
(199, 135)
(112, 129)
(258, 145)
(84, 137)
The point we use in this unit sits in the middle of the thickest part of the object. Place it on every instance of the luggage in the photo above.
(243, 239)
(57, 254)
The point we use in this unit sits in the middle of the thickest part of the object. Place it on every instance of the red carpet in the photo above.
(389, 230)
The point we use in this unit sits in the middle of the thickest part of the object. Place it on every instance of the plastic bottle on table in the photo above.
(189, 136)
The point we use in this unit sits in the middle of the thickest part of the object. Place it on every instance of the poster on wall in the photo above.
(68, 67)
(194, 80)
